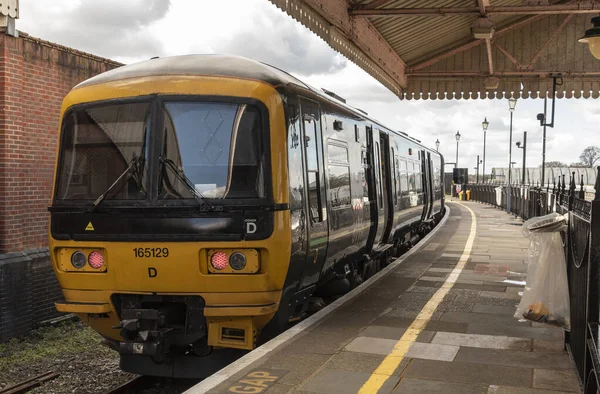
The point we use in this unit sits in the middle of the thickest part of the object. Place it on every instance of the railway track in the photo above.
(29, 384)
(131, 386)
(136, 384)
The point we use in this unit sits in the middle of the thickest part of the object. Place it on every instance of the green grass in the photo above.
(63, 340)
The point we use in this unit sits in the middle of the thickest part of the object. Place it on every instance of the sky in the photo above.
(136, 30)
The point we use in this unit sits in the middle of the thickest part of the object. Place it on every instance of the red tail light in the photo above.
(96, 260)
(219, 261)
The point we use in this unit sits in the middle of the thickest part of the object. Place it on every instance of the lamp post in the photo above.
(457, 139)
(485, 125)
(437, 145)
(524, 147)
(512, 103)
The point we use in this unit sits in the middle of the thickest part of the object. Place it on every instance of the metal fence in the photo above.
(581, 243)
(533, 176)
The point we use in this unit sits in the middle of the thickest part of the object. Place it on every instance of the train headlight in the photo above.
(237, 261)
(96, 260)
(219, 261)
(78, 260)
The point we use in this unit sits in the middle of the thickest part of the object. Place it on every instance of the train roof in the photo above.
(198, 65)
(220, 65)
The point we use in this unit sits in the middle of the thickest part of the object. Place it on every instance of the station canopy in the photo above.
(461, 49)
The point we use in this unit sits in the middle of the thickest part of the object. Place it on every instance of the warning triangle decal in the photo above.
(89, 227)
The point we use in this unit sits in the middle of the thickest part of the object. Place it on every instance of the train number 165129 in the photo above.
(150, 252)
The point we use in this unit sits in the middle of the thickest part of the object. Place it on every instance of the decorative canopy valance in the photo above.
(461, 49)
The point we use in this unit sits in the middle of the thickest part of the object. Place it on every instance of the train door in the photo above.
(380, 163)
(315, 206)
(430, 184)
(442, 181)
(372, 183)
(387, 184)
(425, 185)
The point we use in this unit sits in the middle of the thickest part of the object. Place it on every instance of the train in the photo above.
(202, 204)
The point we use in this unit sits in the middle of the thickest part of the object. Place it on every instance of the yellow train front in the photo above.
(201, 202)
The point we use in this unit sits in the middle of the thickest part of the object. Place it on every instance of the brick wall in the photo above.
(28, 290)
(35, 75)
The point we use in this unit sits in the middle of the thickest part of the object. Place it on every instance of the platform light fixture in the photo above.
(485, 124)
(457, 139)
(512, 103)
(592, 38)
(437, 145)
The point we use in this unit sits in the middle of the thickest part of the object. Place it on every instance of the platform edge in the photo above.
(219, 377)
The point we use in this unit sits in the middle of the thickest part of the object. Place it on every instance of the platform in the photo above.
(439, 320)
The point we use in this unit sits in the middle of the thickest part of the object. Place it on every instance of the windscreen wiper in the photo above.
(188, 183)
(133, 164)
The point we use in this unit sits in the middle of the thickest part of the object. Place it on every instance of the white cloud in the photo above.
(110, 28)
(134, 30)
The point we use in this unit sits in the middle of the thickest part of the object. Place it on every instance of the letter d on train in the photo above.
(250, 226)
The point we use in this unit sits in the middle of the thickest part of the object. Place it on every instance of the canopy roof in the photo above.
(442, 49)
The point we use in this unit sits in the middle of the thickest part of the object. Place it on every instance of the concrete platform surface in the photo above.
(440, 321)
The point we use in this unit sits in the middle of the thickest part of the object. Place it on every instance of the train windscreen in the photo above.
(217, 146)
(104, 148)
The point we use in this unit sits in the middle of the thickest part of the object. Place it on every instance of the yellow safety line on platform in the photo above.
(393, 360)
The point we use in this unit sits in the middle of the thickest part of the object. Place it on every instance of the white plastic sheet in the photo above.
(546, 294)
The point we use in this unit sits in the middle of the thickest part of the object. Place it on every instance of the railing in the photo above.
(582, 251)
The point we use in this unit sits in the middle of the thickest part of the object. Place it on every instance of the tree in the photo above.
(590, 156)
(555, 164)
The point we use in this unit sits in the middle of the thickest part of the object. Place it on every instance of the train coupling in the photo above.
(146, 328)
(152, 325)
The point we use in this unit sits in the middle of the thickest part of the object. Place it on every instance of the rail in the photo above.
(133, 384)
(582, 252)
(29, 384)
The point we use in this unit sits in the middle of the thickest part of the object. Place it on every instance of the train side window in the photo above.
(313, 196)
(337, 153)
(418, 177)
(365, 167)
(339, 186)
(310, 141)
(404, 177)
(339, 175)
(411, 177)
(363, 137)
(394, 177)
(295, 161)
(312, 165)
(397, 171)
